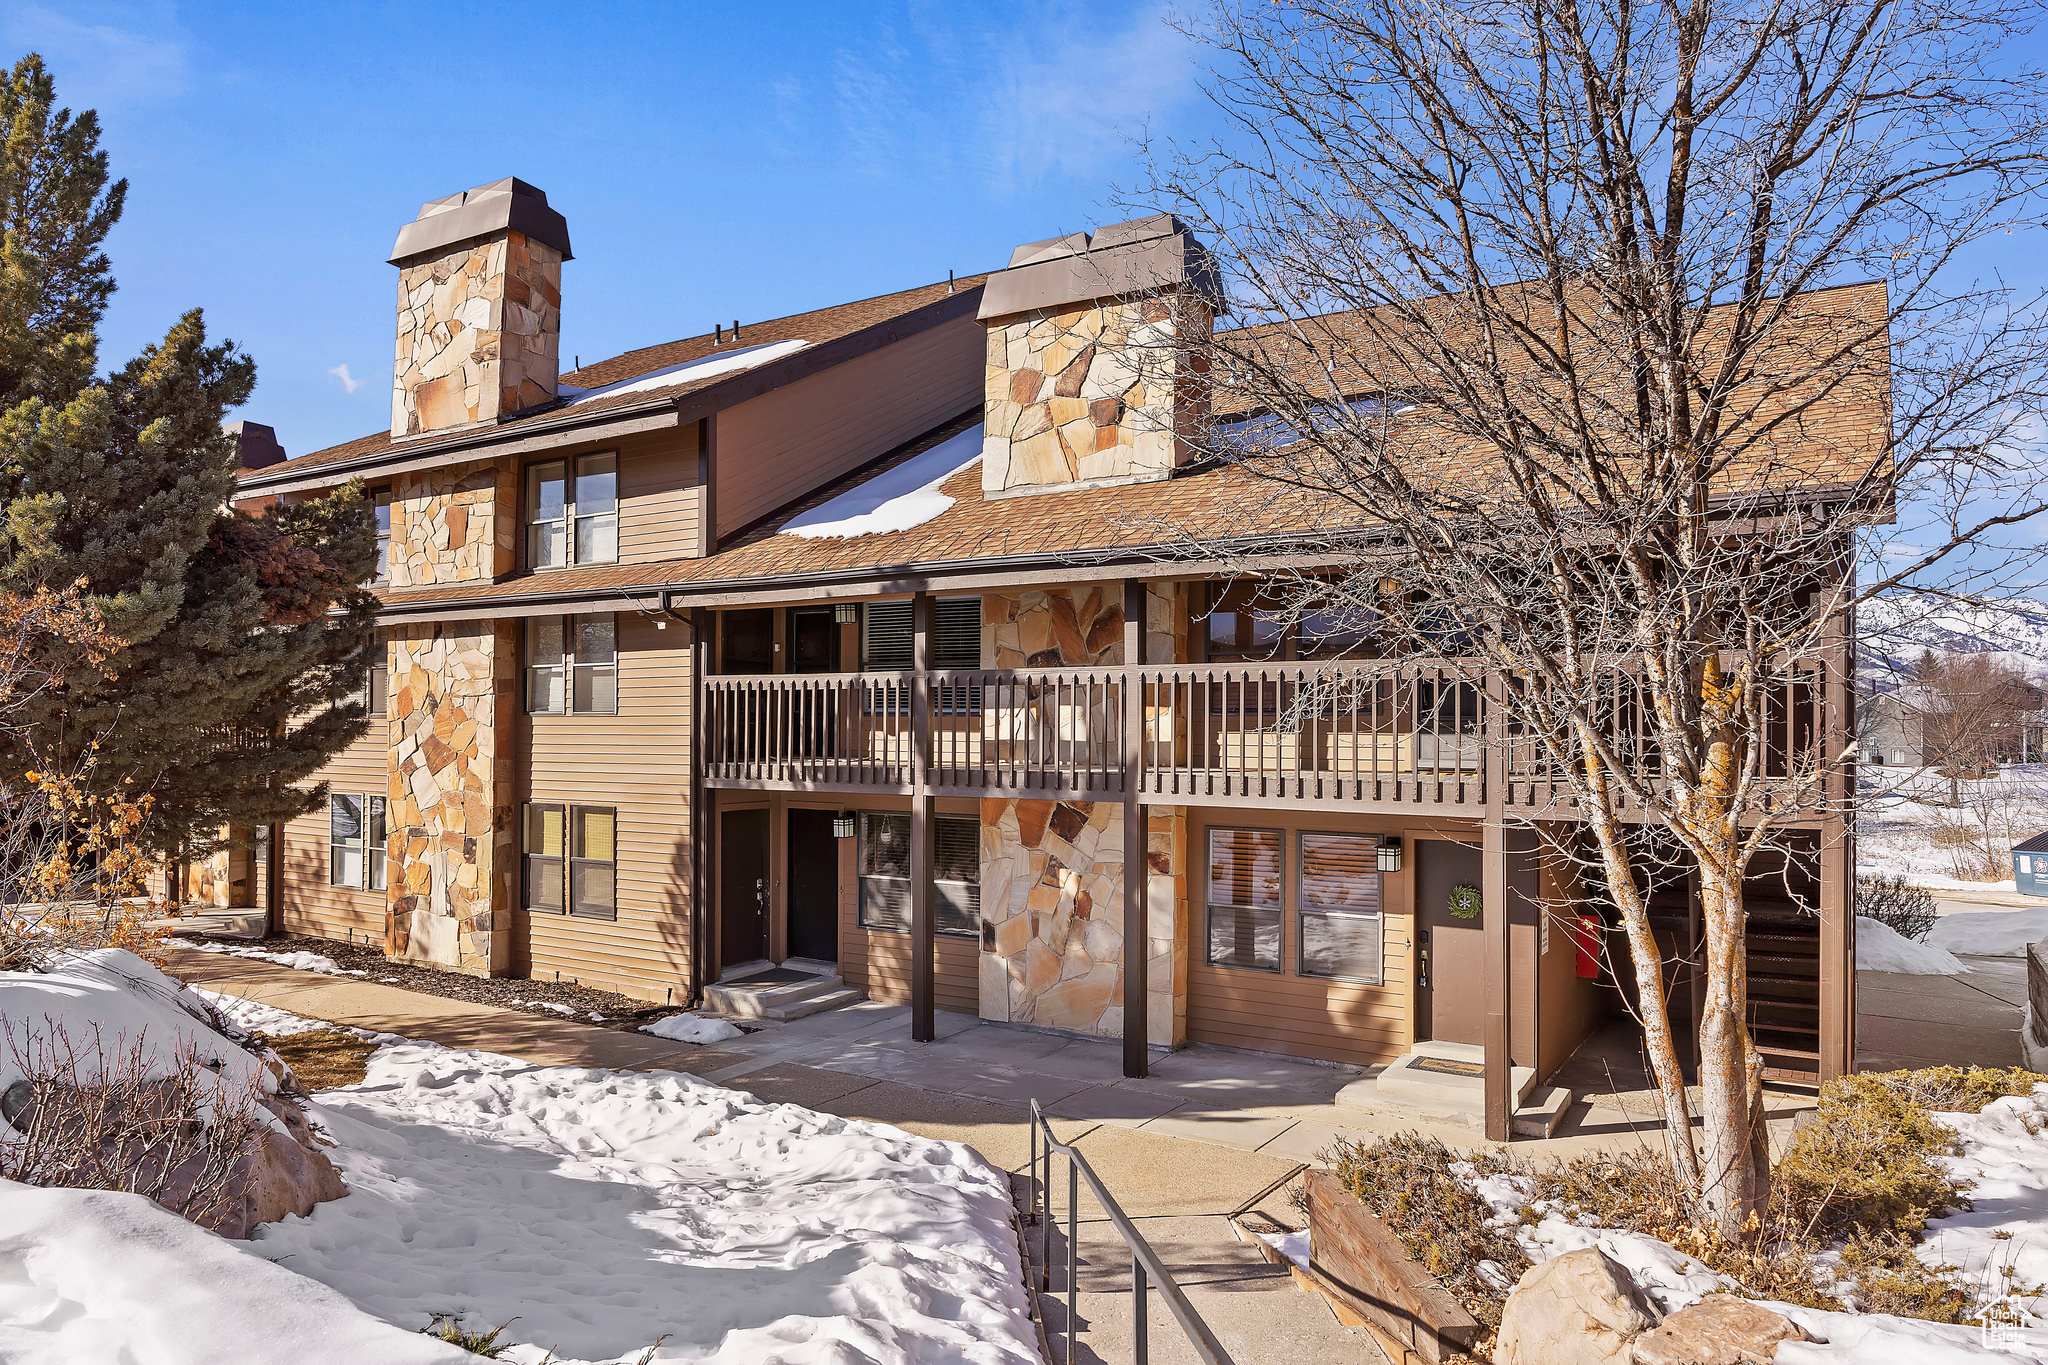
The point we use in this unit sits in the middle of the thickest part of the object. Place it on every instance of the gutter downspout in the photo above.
(700, 815)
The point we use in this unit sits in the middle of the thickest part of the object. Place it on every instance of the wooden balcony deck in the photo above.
(1365, 736)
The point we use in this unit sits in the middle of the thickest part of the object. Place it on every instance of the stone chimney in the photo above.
(256, 445)
(479, 308)
(1089, 382)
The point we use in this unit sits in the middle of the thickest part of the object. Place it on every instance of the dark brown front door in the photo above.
(742, 887)
(813, 886)
(1452, 954)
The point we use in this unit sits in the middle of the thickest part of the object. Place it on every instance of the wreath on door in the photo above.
(1463, 902)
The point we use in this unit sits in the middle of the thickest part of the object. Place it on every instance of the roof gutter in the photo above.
(853, 581)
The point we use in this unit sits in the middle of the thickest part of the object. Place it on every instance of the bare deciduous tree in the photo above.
(1971, 708)
(1564, 312)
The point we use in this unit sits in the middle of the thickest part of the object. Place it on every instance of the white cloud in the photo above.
(348, 382)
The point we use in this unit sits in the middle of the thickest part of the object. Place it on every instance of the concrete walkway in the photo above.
(1905, 1021)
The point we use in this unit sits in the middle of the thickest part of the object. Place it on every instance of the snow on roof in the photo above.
(689, 372)
(897, 499)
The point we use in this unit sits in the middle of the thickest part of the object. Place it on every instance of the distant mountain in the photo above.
(1896, 630)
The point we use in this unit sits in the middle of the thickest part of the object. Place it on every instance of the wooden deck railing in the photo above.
(1351, 735)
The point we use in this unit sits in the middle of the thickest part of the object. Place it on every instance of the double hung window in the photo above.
(1332, 890)
(383, 503)
(355, 841)
(1340, 920)
(572, 665)
(571, 859)
(1243, 898)
(885, 873)
(572, 512)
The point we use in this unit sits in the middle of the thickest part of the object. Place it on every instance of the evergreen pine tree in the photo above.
(244, 637)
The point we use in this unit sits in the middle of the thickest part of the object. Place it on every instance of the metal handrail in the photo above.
(1145, 1262)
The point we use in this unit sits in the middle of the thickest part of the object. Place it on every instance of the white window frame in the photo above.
(571, 672)
(579, 513)
(366, 871)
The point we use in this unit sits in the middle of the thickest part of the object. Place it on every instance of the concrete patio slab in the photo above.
(1226, 1127)
(1122, 1104)
(1152, 1174)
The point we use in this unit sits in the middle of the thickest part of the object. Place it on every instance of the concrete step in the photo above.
(780, 1001)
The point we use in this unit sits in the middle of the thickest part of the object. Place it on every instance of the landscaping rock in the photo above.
(1576, 1309)
(1718, 1330)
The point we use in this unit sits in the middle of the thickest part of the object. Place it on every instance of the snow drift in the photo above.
(1881, 948)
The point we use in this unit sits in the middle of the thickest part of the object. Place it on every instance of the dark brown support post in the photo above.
(700, 812)
(273, 883)
(1837, 861)
(1493, 877)
(1137, 860)
(923, 947)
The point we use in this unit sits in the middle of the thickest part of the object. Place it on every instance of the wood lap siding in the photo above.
(783, 444)
(1341, 1021)
(658, 496)
(308, 904)
(637, 762)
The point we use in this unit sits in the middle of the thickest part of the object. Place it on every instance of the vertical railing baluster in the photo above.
(1073, 1257)
(1140, 1349)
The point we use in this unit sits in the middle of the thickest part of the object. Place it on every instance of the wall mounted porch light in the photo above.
(842, 825)
(845, 613)
(1390, 853)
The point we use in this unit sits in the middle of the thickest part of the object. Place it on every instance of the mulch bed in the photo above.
(622, 1013)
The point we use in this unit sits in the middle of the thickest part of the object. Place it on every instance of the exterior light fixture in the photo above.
(1390, 853)
(845, 613)
(842, 825)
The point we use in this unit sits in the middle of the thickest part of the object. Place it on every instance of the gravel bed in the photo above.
(620, 1012)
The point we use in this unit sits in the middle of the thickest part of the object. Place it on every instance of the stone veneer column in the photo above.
(450, 822)
(454, 524)
(1052, 872)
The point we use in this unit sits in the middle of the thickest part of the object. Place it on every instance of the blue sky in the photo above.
(713, 161)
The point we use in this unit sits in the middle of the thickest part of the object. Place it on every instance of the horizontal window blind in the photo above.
(1340, 872)
(885, 873)
(1244, 867)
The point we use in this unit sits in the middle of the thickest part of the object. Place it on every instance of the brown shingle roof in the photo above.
(818, 327)
(1831, 446)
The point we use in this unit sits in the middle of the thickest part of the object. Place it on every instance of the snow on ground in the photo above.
(305, 962)
(2004, 1160)
(2011, 1168)
(690, 372)
(595, 1210)
(1989, 933)
(1906, 827)
(1881, 948)
(106, 1004)
(894, 500)
(88, 1275)
(603, 1209)
(691, 1028)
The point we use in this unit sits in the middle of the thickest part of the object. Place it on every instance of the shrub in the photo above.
(93, 1118)
(1866, 1163)
(1408, 1182)
(1906, 910)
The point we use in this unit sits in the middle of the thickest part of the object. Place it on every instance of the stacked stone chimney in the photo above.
(479, 308)
(1089, 378)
